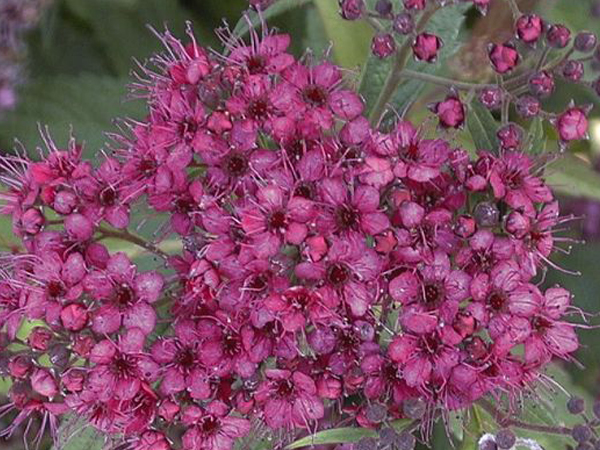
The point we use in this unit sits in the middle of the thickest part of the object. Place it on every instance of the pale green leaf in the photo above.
(483, 127)
(575, 177)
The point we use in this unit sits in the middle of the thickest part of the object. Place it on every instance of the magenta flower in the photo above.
(289, 399)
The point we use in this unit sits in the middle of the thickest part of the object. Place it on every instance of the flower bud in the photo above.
(352, 9)
(44, 383)
(414, 408)
(32, 221)
(383, 45)
(572, 124)
(415, 4)
(406, 441)
(486, 214)
(491, 98)
(39, 338)
(576, 405)
(581, 433)
(488, 444)
(20, 366)
(558, 36)
(529, 28)
(376, 413)
(426, 47)
(403, 23)
(504, 57)
(585, 41)
(528, 106)
(517, 224)
(510, 136)
(541, 84)
(74, 317)
(73, 380)
(505, 439)
(384, 7)
(465, 227)
(573, 70)
(450, 112)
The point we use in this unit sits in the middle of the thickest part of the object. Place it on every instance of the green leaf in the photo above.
(482, 126)
(88, 103)
(254, 20)
(121, 27)
(573, 176)
(342, 435)
(536, 137)
(472, 431)
(351, 40)
(446, 24)
(77, 434)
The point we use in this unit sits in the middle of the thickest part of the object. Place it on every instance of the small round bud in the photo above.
(384, 7)
(581, 433)
(366, 443)
(450, 112)
(585, 41)
(32, 221)
(352, 9)
(488, 445)
(406, 441)
(39, 338)
(504, 57)
(510, 136)
(528, 106)
(491, 98)
(414, 408)
(541, 84)
(529, 28)
(403, 23)
(426, 47)
(376, 413)
(487, 214)
(572, 124)
(59, 355)
(465, 226)
(576, 405)
(558, 36)
(505, 439)
(573, 70)
(415, 4)
(388, 437)
(383, 45)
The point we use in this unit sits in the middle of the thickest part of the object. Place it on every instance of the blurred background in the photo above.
(66, 64)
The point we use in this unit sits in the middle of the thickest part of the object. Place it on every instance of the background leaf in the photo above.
(482, 126)
(279, 7)
(572, 176)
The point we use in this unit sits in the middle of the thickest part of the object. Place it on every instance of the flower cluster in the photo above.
(321, 258)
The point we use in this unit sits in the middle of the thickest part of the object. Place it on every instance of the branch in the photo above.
(127, 236)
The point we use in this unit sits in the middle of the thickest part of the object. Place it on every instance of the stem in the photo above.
(140, 242)
(514, 8)
(506, 421)
(395, 76)
(444, 81)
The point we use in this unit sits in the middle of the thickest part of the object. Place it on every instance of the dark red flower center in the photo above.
(285, 388)
(476, 348)
(431, 343)
(232, 345)
(258, 109)
(210, 425)
(185, 358)
(124, 366)
(55, 289)
(305, 190)
(277, 220)
(187, 128)
(237, 165)
(347, 217)
(108, 196)
(315, 95)
(124, 295)
(497, 301)
(541, 324)
(256, 64)
(184, 204)
(432, 293)
(338, 274)
(147, 166)
(259, 282)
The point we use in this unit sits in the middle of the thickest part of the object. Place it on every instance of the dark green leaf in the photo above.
(254, 20)
(88, 103)
(446, 24)
(342, 435)
(575, 177)
(78, 434)
(536, 137)
(351, 40)
(483, 127)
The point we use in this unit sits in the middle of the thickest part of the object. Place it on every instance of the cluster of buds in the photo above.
(320, 259)
(16, 17)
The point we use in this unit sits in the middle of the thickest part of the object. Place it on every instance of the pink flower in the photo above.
(289, 399)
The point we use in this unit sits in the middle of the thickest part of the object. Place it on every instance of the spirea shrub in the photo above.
(314, 268)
